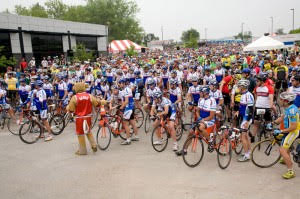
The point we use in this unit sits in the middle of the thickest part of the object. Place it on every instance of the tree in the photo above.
(81, 54)
(189, 35)
(280, 31)
(118, 15)
(56, 9)
(4, 61)
(130, 52)
(296, 31)
(150, 37)
(247, 36)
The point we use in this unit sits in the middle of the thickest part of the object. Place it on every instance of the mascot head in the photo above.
(80, 87)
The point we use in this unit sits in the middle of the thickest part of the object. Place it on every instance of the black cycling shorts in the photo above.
(281, 83)
(267, 116)
(226, 98)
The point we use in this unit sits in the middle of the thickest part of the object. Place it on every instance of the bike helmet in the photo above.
(237, 71)
(297, 78)
(103, 79)
(262, 77)
(46, 77)
(164, 68)
(246, 70)
(244, 83)
(137, 73)
(174, 72)
(194, 79)
(114, 87)
(214, 83)
(205, 89)
(290, 97)
(22, 81)
(122, 80)
(238, 76)
(38, 83)
(98, 73)
(157, 94)
(150, 81)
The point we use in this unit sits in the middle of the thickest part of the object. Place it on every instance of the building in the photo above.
(24, 36)
(289, 39)
(160, 44)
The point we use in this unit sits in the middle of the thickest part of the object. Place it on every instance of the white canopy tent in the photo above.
(264, 43)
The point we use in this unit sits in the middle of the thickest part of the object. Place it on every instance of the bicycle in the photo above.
(194, 147)
(235, 137)
(161, 134)
(270, 155)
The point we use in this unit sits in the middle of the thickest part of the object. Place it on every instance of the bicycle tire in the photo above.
(140, 118)
(99, 135)
(237, 150)
(269, 143)
(179, 130)
(189, 142)
(32, 128)
(165, 139)
(10, 127)
(58, 122)
(222, 154)
(147, 123)
(95, 115)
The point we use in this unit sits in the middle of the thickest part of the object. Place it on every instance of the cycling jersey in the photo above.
(236, 93)
(40, 100)
(291, 114)
(174, 93)
(219, 73)
(165, 78)
(206, 106)
(281, 72)
(195, 92)
(150, 92)
(247, 100)
(262, 93)
(217, 95)
(110, 77)
(171, 109)
(128, 93)
(145, 76)
(62, 88)
(296, 90)
(3, 98)
(23, 92)
(209, 78)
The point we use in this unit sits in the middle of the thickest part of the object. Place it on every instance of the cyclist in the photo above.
(163, 107)
(295, 88)
(128, 112)
(264, 95)
(235, 100)
(149, 94)
(175, 93)
(193, 94)
(217, 95)
(246, 74)
(281, 76)
(291, 128)
(40, 99)
(3, 102)
(245, 112)
(208, 77)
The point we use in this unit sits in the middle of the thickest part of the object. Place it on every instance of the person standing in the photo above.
(81, 104)
(23, 64)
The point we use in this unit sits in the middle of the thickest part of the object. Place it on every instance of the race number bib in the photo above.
(260, 111)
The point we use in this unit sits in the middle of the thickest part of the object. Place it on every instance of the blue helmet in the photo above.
(137, 73)
(246, 70)
(38, 83)
(122, 80)
(205, 89)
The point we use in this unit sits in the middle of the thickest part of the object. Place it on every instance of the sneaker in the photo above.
(289, 174)
(158, 142)
(135, 138)
(180, 153)
(243, 159)
(94, 148)
(48, 138)
(126, 142)
(175, 147)
(281, 161)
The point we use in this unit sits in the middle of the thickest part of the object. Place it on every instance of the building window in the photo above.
(44, 45)
(5, 44)
(90, 43)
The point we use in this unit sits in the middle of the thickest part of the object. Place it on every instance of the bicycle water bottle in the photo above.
(211, 137)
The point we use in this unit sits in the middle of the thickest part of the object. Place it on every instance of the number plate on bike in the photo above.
(260, 111)
(137, 96)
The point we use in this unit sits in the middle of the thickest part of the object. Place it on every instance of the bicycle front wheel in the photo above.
(224, 153)
(265, 153)
(194, 151)
(57, 124)
(148, 123)
(103, 137)
(30, 132)
(159, 139)
(12, 126)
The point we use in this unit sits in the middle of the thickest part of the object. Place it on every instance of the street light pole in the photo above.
(205, 34)
(293, 9)
(243, 31)
(162, 33)
(271, 26)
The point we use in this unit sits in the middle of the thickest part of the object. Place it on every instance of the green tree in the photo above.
(36, 10)
(189, 35)
(150, 37)
(4, 61)
(81, 54)
(56, 9)
(247, 36)
(296, 31)
(280, 31)
(130, 52)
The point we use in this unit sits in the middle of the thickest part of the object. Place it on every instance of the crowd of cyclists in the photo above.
(217, 85)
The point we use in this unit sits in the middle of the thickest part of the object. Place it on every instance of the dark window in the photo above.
(90, 43)
(5, 43)
(46, 45)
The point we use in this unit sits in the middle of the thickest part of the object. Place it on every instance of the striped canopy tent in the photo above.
(121, 45)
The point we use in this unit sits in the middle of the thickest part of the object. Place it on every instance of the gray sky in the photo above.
(222, 18)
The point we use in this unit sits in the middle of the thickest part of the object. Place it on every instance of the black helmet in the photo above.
(262, 77)
(297, 78)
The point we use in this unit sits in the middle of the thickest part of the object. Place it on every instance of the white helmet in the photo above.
(244, 83)
(288, 96)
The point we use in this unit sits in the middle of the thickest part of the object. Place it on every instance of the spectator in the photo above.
(44, 63)
(23, 64)
(31, 63)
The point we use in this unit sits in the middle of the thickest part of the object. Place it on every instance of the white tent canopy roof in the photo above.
(264, 43)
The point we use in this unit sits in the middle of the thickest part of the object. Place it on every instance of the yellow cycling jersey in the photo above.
(237, 96)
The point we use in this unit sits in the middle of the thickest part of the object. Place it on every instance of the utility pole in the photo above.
(242, 31)
(205, 34)
(271, 26)
(162, 33)
(293, 9)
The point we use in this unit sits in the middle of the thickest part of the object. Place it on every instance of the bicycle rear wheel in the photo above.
(194, 151)
(12, 126)
(103, 137)
(32, 133)
(265, 153)
(224, 153)
(179, 130)
(139, 117)
(95, 115)
(238, 146)
(57, 124)
(159, 139)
